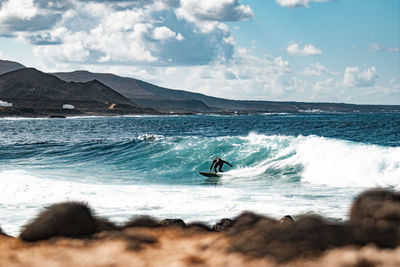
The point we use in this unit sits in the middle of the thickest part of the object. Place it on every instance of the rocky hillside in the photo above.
(145, 94)
(30, 88)
(163, 99)
(7, 66)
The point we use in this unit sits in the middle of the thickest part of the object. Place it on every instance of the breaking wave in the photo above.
(256, 157)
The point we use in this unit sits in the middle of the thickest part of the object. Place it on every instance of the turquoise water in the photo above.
(126, 166)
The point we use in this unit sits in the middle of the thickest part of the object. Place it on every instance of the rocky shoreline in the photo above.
(63, 113)
(69, 234)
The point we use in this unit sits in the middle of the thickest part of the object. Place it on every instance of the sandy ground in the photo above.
(167, 247)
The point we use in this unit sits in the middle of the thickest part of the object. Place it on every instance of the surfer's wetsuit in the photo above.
(218, 163)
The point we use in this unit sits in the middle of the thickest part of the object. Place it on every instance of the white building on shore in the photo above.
(5, 104)
(68, 106)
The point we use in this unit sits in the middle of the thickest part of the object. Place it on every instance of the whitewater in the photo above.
(148, 165)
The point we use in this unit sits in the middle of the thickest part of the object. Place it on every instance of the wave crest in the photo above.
(323, 161)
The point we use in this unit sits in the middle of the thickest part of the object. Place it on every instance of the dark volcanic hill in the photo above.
(30, 88)
(156, 97)
(7, 66)
(144, 94)
(163, 99)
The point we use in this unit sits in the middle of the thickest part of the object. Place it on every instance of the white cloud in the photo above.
(354, 77)
(375, 47)
(155, 32)
(394, 87)
(298, 3)
(211, 10)
(393, 49)
(17, 9)
(307, 50)
(25, 15)
(208, 15)
(324, 85)
(164, 33)
(282, 64)
(179, 37)
(317, 69)
(74, 50)
(95, 33)
(246, 77)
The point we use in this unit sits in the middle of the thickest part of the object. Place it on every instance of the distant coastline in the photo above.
(27, 92)
(21, 112)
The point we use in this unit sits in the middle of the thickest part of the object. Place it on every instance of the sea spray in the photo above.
(24, 195)
(347, 164)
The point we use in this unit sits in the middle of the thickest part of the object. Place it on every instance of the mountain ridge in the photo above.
(153, 96)
(7, 66)
(141, 96)
(31, 88)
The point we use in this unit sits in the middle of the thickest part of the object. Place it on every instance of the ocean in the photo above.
(283, 164)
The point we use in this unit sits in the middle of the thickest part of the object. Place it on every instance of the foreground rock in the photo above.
(69, 219)
(374, 219)
(71, 235)
(169, 247)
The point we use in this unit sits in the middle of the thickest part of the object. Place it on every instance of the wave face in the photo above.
(283, 164)
(156, 159)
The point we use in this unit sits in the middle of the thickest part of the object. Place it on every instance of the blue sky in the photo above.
(297, 50)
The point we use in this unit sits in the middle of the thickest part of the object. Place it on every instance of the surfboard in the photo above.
(210, 174)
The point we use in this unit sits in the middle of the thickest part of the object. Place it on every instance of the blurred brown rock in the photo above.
(173, 222)
(69, 219)
(287, 219)
(142, 221)
(222, 225)
(369, 238)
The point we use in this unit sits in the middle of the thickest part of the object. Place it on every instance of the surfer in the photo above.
(218, 163)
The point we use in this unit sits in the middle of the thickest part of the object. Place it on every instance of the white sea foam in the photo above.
(272, 113)
(22, 118)
(73, 117)
(24, 194)
(150, 137)
(347, 164)
(325, 161)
